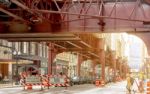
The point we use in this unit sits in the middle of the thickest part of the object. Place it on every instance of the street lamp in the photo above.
(16, 53)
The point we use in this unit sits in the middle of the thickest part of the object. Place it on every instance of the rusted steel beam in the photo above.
(134, 9)
(56, 5)
(35, 3)
(42, 39)
(82, 8)
(88, 7)
(37, 35)
(95, 1)
(22, 6)
(87, 45)
(87, 15)
(75, 45)
(60, 46)
(27, 9)
(75, 50)
(113, 9)
(12, 15)
(92, 53)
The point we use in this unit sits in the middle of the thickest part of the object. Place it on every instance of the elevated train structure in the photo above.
(70, 25)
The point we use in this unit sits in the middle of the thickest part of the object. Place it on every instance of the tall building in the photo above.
(17, 57)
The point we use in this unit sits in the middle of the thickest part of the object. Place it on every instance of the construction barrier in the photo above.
(118, 78)
(31, 81)
(55, 80)
(102, 83)
(148, 87)
(97, 83)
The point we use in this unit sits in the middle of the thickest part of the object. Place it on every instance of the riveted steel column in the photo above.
(93, 67)
(102, 61)
(51, 56)
(80, 60)
(102, 57)
(113, 61)
(120, 68)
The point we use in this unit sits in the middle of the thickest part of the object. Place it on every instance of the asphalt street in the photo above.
(112, 88)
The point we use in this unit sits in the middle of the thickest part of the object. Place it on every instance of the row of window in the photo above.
(28, 48)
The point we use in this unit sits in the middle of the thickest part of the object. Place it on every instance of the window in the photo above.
(33, 47)
(25, 47)
(10, 44)
(40, 50)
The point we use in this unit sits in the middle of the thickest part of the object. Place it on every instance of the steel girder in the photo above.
(89, 15)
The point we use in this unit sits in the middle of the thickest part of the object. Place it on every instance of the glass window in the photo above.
(4, 42)
(44, 51)
(25, 47)
(40, 50)
(0, 41)
(16, 44)
(47, 52)
(33, 47)
(10, 44)
(19, 47)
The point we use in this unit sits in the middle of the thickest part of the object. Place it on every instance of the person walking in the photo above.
(130, 82)
(1, 76)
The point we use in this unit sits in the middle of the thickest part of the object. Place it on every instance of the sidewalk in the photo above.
(113, 88)
(9, 85)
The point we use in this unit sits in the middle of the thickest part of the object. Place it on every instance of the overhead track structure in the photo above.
(85, 15)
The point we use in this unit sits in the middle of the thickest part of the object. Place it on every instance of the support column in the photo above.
(51, 56)
(80, 60)
(113, 61)
(102, 60)
(101, 44)
(93, 66)
(127, 70)
(120, 69)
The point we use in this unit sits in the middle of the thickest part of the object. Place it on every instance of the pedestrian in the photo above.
(1, 76)
(141, 82)
(130, 82)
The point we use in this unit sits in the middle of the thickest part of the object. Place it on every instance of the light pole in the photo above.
(16, 53)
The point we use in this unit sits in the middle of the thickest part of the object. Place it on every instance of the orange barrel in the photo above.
(148, 87)
(97, 83)
(29, 87)
(102, 83)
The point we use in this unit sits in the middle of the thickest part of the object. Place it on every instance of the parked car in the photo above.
(76, 80)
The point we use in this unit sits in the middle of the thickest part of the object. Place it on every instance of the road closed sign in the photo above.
(33, 79)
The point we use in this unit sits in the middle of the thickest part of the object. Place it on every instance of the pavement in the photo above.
(111, 88)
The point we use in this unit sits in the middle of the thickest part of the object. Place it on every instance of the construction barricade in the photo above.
(31, 81)
(102, 83)
(118, 78)
(99, 83)
(148, 87)
(55, 80)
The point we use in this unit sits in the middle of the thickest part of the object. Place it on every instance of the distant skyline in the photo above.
(135, 52)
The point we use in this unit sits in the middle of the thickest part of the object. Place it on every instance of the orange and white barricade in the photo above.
(97, 83)
(31, 81)
(102, 83)
(62, 80)
(55, 80)
(148, 87)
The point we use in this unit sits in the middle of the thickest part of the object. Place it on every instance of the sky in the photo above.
(135, 52)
